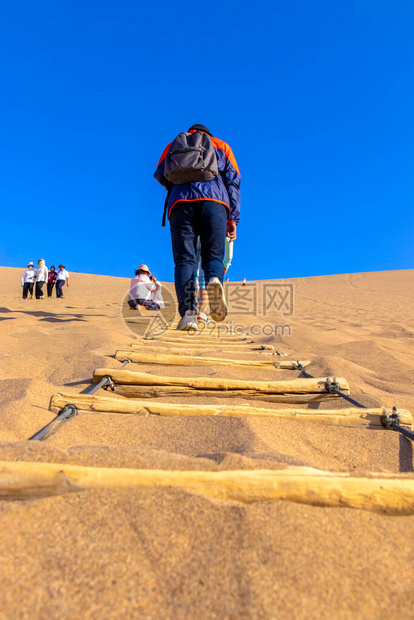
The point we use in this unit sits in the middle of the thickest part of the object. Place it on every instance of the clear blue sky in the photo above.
(315, 97)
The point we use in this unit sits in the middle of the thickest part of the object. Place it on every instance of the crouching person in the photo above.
(145, 290)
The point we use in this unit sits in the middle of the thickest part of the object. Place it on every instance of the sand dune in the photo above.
(169, 553)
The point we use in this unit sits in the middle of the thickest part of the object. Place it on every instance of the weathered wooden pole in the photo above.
(103, 404)
(295, 386)
(391, 494)
(142, 357)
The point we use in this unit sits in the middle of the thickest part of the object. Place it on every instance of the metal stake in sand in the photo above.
(388, 421)
(392, 421)
(331, 386)
(70, 411)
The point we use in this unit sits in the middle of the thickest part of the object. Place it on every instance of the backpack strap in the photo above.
(164, 215)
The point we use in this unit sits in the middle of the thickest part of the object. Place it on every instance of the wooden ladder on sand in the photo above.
(138, 393)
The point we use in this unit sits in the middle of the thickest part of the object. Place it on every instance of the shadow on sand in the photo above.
(50, 317)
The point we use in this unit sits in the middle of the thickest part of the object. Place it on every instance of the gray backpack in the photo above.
(191, 157)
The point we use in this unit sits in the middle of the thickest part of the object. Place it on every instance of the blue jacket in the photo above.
(225, 188)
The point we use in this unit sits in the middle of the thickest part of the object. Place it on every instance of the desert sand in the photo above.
(171, 553)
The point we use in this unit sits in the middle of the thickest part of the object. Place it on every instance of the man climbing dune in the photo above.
(201, 175)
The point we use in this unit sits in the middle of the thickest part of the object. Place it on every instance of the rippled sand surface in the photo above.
(169, 553)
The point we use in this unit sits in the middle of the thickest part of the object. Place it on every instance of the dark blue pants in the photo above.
(59, 285)
(205, 219)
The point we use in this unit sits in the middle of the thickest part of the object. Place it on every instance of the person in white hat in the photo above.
(28, 280)
(145, 290)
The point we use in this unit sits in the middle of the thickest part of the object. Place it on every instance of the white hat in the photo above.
(30, 264)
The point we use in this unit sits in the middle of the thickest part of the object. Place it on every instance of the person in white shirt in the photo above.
(28, 280)
(61, 278)
(41, 278)
(145, 290)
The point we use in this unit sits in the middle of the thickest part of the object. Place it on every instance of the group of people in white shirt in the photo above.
(33, 280)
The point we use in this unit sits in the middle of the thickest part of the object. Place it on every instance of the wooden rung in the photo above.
(297, 386)
(103, 404)
(162, 391)
(391, 494)
(205, 331)
(194, 350)
(209, 339)
(141, 357)
(201, 345)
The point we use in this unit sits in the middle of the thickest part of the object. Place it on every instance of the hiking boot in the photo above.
(218, 305)
(188, 322)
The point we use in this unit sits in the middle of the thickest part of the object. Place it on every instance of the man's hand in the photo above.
(231, 231)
